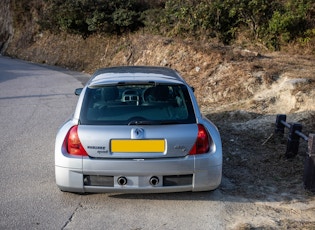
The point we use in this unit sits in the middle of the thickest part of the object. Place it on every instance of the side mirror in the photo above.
(78, 91)
(192, 88)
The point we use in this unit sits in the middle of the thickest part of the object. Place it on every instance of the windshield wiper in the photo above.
(168, 122)
(145, 122)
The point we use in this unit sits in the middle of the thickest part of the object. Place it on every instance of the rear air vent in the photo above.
(177, 180)
(92, 180)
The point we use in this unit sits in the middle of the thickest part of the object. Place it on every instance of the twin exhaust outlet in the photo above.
(123, 180)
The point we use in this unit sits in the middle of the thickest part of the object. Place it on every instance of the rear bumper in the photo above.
(191, 173)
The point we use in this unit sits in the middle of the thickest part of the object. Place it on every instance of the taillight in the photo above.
(202, 143)
(74, 146)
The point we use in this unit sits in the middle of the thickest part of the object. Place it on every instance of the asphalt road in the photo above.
(34, 101)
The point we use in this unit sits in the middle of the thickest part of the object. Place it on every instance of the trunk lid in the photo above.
(138, 141)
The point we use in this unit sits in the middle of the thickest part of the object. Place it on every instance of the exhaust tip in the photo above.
(122, 180)
(154, 180)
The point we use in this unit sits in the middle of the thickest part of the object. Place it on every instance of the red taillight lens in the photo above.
(74, 146)
(202, 143)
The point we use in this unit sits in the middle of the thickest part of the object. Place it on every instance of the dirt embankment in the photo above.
(225, 78)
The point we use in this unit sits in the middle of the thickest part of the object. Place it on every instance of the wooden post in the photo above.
(279, 129)
(311, 144)
(309, 165)
(293, 140)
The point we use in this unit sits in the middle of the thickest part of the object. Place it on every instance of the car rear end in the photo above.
(138, 135)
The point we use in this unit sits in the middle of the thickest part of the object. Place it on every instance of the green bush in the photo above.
(274, 22)
(90, 16)
(288, 23)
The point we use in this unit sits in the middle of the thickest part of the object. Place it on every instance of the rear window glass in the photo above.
(137, 104)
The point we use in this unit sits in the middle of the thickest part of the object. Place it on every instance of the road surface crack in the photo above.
(71, 217)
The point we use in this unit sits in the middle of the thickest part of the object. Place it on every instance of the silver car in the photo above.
(137, 129)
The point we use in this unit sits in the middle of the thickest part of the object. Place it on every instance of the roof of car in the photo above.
(113, 75)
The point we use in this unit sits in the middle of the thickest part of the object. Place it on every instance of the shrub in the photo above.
(288, 23)
(89, 16)
(274, 22)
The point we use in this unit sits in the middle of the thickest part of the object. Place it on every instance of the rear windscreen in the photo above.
(137, 104)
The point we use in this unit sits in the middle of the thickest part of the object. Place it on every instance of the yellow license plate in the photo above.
(140, 146)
